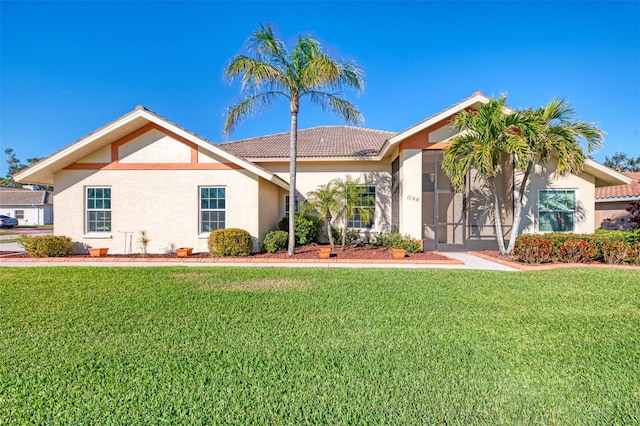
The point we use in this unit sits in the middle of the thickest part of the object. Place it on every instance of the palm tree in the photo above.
(306, 71)
(350, 192)
(551, 131)
(492, 136)
(326, 200)
(486, 138)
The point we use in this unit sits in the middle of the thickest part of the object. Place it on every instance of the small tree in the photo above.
(326, 201)
(350, 195)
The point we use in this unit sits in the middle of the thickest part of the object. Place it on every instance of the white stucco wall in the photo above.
(583, 184)
(312, 174)
(154, 147)
(411, 192)
(33, 215)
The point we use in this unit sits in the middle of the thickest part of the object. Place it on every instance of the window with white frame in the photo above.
(364, 212)
(19, 214)
(212, 208)
(98, 209)
(556, 210)
(286, 204)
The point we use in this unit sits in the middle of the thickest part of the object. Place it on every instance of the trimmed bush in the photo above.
(275, 241)
(531, 248)
(395, 240)
(308, 228)
(230, 242)
(576, 251)
(46, 245)
(634, 256)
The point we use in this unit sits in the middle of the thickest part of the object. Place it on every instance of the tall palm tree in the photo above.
(306, 71)
(350, 192)
(326, 200)
(486, 138)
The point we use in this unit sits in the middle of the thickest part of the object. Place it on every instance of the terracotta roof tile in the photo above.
(324, 141)
(631, 190)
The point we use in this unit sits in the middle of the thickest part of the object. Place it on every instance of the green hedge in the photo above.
(395, 240)
(46, 245)
(308, 228)
(230, 242)
(614, 247)
(275, 241)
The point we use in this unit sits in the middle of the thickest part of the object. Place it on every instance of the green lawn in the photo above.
(318, 346)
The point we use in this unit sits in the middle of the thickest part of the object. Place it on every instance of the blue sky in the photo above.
(68, 68)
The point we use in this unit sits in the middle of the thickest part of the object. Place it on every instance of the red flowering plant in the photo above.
(634, 211)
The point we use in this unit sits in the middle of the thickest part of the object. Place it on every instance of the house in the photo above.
(612, 201)
(143, 172)
(29, 206)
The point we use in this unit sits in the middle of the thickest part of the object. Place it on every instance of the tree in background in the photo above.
(306, 71)
(15, 165)
(493, 136)
(621, 162)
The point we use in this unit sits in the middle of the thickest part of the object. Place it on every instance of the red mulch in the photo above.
(304, 252)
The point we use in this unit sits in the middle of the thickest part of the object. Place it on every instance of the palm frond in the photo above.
(247, 107)
(330, 102)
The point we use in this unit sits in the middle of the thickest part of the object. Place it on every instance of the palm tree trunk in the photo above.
(328, 218)
(497, 216)
(518, 208)
(293, 145)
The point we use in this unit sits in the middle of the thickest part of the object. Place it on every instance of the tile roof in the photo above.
(324, 141)
(631, 190)
(24, 197)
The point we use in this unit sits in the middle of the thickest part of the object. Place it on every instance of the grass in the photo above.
(7, 233)
(318, 346)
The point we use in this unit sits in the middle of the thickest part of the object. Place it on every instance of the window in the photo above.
(556, 210)
(212, 208)
(19, 214)
(99, 209)
(286, 204)
(365, 203)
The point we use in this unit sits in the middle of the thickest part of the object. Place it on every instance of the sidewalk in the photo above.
(458, 261)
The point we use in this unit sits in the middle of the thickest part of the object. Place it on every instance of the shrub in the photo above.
(615, 252)
(531, 248)
(308, 228)
(230, 242)
(577, 251)
(352, 238)
(275, 241)
(634, 255)
(47, 245)
(395, 240)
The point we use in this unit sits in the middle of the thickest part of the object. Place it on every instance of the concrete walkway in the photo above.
(465, 261)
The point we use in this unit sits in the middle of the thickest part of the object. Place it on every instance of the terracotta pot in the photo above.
(98, 252)
(184, 251)
(398, 253)
(324, 252)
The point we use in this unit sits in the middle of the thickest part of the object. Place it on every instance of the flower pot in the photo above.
(324, 252)
(98, 252)
(184, 251)
(398, 253)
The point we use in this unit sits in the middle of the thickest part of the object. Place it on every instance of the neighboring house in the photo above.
(142, 172)
(612, 201)
(30, 207)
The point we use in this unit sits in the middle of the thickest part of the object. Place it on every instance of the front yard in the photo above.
(318, 346)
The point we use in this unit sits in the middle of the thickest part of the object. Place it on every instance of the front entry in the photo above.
(443, 210)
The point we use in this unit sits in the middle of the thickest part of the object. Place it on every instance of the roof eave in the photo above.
(604, 175)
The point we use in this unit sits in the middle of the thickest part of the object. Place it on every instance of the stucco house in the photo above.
(612, 202)
(143, 172)
(29, 206)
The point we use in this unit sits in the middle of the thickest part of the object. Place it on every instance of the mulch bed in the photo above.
(304, 252)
